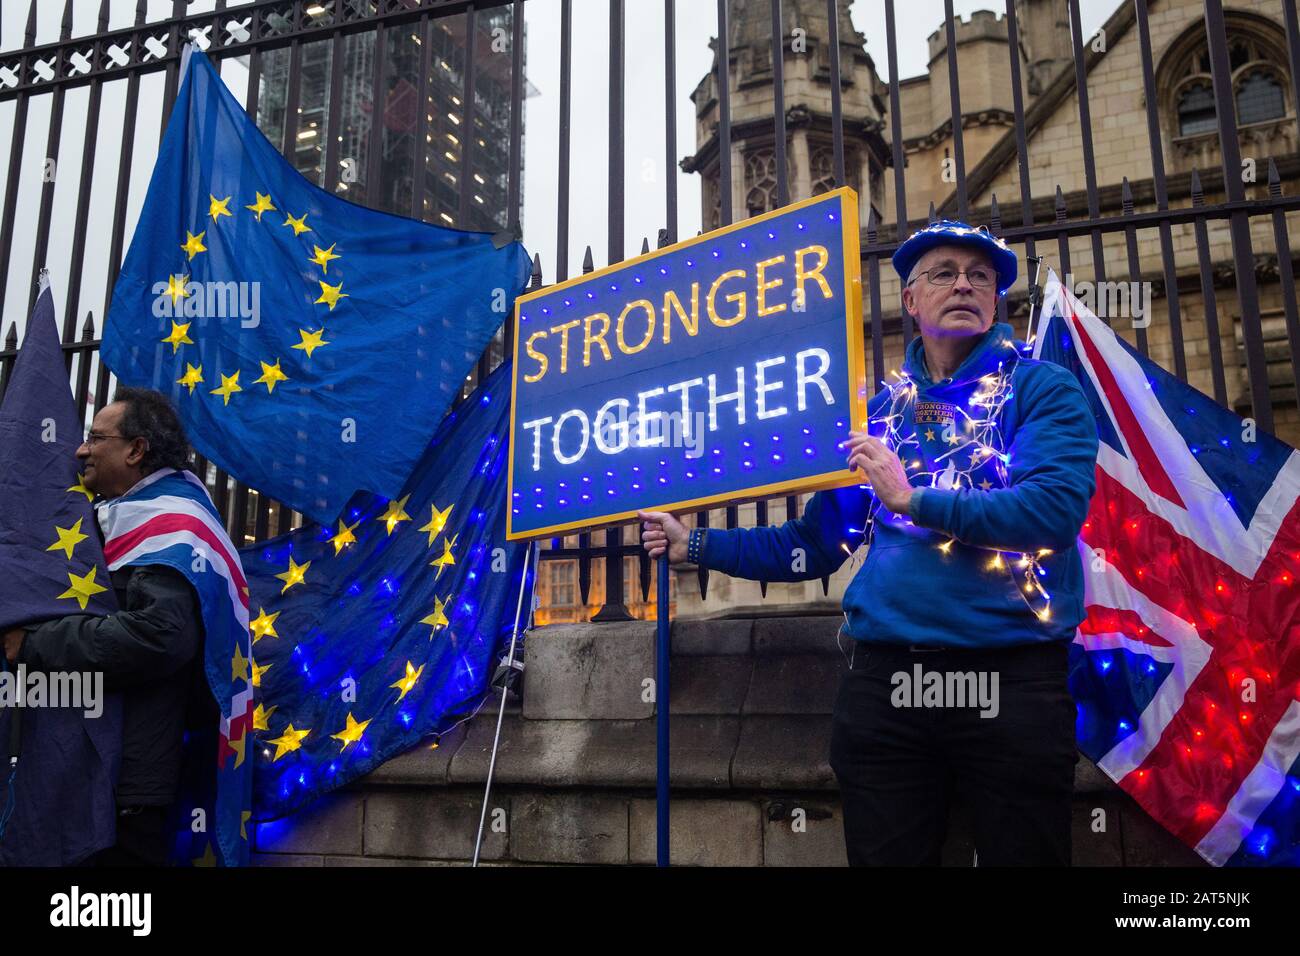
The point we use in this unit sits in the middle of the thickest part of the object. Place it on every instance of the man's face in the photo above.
(960, 309)
(110, 461)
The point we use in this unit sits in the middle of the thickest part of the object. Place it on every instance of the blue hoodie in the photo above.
(909, 590)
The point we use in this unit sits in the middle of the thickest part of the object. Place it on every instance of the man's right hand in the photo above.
(660, 530)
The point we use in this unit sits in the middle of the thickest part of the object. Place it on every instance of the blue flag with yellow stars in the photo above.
(60, 809)
(311, 345)
(375, 632)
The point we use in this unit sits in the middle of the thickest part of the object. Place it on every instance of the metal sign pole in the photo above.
(663, 646)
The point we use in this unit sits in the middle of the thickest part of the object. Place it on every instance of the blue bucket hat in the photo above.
(949, 232)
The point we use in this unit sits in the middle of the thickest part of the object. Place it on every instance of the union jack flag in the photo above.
(1186, 671)
(169, 519)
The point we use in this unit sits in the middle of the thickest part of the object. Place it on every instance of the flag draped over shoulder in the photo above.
(168, 519)
(51, 565)
(311, 345)
(381, 630)
(1186, 671)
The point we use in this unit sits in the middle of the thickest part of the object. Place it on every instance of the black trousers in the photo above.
(901, 766)
(141, 839)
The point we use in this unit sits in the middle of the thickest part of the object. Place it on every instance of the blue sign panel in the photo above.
(724, 368)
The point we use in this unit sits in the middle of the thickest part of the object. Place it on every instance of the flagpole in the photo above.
(1035, 294)
(505, 690)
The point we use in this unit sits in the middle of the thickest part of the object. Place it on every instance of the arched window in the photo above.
(1196, 112)
(1257, 57)
(1259, 98)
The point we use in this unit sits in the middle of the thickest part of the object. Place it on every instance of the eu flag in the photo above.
(311, 345)
(60, 809)
(382, 629)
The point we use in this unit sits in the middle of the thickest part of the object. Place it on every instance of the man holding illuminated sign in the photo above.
(979, 463)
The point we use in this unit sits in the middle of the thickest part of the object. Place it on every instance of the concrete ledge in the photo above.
(710, 637)
(589, 671)
(591, 753)
(794, 684)
(783, 753)
(570, 828)
(700, 833)
(438, 825)
(330, 825)
(803, 832)
(710, 685)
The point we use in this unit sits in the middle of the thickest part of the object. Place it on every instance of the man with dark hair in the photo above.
(150, 649)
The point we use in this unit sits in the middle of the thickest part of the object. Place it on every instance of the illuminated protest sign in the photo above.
(724, 368)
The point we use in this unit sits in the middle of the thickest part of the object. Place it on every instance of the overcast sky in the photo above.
(644, 143)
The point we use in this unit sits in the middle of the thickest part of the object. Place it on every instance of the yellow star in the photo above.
(239, 665)
(261, 715)
(352, 732)
(310, 341)
(986, 484)
(82, 588)
(179, 336)
(953, 439)
(271, 374)
(262, 205)
(177, 289)
(323, 256)
(437, 522)
(446, 559)
(193, 244)
(193, 376)
(244, 817)
(239, 747)
(404, 684)
(330, 294)
(208, 859)
(217, 207)
(299, 225)
(295, 575)
(290, 741)
(395, 513)
(229, 385)
(81, 486)
(258, 671)
(929, 434)
(437, 618)
(69, 538)
(263, 625)
(344, 537)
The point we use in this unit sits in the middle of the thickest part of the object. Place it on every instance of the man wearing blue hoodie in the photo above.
(979, 466)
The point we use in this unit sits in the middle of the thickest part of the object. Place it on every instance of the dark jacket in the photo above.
(150, 651)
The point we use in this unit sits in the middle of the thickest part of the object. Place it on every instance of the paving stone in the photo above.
(594, 753)
(700, 833)
(814, 837)
(438, 825)
(285, 859)
(1147, 843)
(331, 824)
(1089, 778)
(589, 671)
(356, 861)
(570, 828)
(1096, 839)
(790, 752)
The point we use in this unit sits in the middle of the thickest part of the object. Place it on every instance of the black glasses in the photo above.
(980, 277)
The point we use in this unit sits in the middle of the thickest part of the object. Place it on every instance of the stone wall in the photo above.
(750, 731)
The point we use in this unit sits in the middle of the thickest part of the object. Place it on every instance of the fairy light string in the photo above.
(977, 450)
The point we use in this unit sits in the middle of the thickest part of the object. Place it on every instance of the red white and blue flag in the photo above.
(169, 519)
(1186, 671)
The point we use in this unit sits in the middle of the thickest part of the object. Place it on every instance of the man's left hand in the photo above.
(883, 471)
(13, 642)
